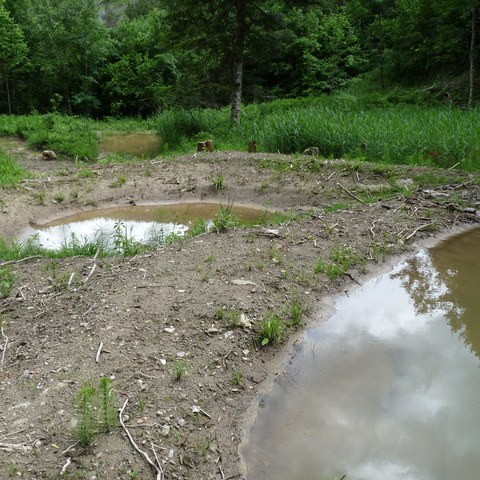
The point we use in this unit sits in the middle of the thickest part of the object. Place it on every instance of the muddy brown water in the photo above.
(389, 386)
(138, 144)
(140, 222)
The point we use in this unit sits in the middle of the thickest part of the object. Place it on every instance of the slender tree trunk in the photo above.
(240, 26)
(471, 96)
(8, 95)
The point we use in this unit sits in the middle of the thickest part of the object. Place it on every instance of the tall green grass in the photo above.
(10, 172)
(73, 136)
(342, 126)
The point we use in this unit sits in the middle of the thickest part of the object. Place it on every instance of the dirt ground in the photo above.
(159, 311)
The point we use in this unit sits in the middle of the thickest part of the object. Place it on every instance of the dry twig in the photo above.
(351, 194)
(99, 351)
(4, 348)
(157, 467)
(421, 227)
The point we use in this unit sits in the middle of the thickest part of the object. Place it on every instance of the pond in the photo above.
(139, 223)
(138, 144)
(389, 386)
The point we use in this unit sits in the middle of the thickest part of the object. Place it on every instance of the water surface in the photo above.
(138, 144)
(389, 387)
(139, 223)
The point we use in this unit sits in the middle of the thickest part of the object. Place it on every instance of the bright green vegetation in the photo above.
(73, 136)
(96, 410)
(179, 369)
(342, 126)
(272, 329)
(7, 280)
(10, 172)
(342, 258)
(232, 316)
(238, 378)
(86, 425)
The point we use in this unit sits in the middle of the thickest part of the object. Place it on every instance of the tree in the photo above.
(13, 50)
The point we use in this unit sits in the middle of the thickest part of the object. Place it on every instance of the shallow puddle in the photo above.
(139, 223)
(138, 144)
(389, 386)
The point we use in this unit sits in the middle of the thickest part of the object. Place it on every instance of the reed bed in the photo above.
(341, 127)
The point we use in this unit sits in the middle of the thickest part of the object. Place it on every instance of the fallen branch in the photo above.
(93, 268)
(11, 447)
(70, 280)
(373, 226)
(4, 348)
(99, 351)
(64, 468)
(421, 227)
(158, 469)
(351, 194)
(21, 260)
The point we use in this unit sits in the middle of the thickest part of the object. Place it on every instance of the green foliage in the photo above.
(179, 369)
(96, 410)
(218, 182)
(7, 279)
(86, 423)
(272, 329)
(107, 416)
(342, 258)
(224, 220)
(72, 136)
(10, 172)
(296, 311)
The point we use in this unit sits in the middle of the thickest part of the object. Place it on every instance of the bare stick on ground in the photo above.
(4, 348)
(157, 467)
(351, 194)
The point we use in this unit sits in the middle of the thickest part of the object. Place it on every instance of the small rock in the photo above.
(49, 155)
(170, 454)
(181, 422)
(242, 282)
(228, 334)
(169, 329)
(245, 321)
(312, 151)
(163, 361)
(470, 210)
(181, 354)
(165, 430)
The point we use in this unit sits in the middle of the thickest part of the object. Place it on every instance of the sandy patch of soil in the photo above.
(155, 309)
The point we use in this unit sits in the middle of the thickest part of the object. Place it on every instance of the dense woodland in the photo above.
(117, 58)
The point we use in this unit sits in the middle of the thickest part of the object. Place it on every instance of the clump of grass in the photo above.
(218, 182)
(224, 220)
(120, 181)
(272, 329)
(7, 280)
(10, 172)
(179, 369)
(232, 316)
(237, 378)
(199, 227)
(296, 311)
(59, 197)
(40, 197)
(342, 258)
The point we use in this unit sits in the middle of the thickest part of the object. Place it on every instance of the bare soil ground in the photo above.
(155, 309)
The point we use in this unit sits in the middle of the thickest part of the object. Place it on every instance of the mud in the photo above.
(156, 308)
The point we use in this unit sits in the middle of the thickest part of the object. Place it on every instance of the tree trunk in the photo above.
(8, 96)
(240, 26)
(471, 96)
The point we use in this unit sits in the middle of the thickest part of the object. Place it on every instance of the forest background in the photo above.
(138, 58)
